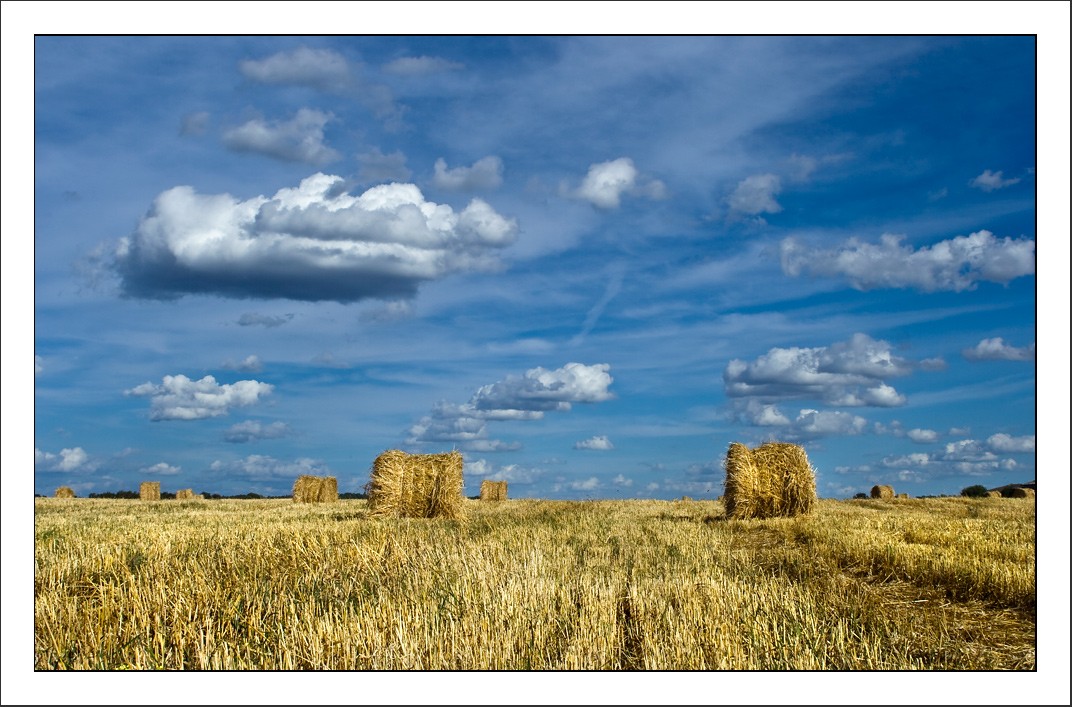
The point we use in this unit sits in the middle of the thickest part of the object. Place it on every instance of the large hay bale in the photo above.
(184, 494)
(416, 485)
(772, 480)
(884, 492)
(994, 493)
(315, 489)
(149, 491)
(1019, 492)
(65, 492)
(492, 490)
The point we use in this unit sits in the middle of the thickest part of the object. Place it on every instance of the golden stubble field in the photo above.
(943, 584)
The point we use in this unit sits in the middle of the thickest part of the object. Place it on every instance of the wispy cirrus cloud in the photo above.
(991, 181)
(251, 430)
(321, 69)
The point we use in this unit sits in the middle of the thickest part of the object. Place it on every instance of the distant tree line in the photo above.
(207, 495)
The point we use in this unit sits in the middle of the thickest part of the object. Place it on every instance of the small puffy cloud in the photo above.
(179, 398)
(194, 123)
(605, 183)
(1008, 444)
(250, 364)
(258, 467)
(420, 66)
(161, 469)
(755, 195)
(598, 442)
(516, 398)
(847, 374)
(71, 459)
(921, 436)
(314, 242)
(589, 484)
(989, 181)
(264, 320)
(955, 265)
(808, 424)
(542, 389)
(621, 480)
(251, 430)
(321, 69)
(377, 167)
(996, 349)
(300, 139)
(967, 456)
(486, 173)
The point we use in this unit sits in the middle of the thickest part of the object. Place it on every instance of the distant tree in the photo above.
(860, 495)
(976, 491)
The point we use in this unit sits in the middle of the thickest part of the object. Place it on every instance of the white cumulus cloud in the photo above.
(264, 468)
(69, 459)
(161, 469)
(322, 69)
(486, 173)
(598, 442)
(995, 349)
(1007, 444)
(922, 436)
(314, 242)
(300, 139)
(755, 195)
(605, 183)
(847, 374)
(180, 398)
(955, 265)
(989, 181)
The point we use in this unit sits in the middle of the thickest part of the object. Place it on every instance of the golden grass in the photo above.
(149, 491)
(772, 480)
(492, 490)
(417, 485)
(927, 584)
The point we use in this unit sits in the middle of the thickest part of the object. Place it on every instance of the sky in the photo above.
(587, 263)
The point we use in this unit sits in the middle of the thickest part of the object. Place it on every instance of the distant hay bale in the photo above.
(884, 492)
(772, 480)
(1019, 492)
(492, 490)
(994, 494)
(64, 492)
(149, 491)
(417, 485)
(902, 495)
(184, 494)
(315, 489)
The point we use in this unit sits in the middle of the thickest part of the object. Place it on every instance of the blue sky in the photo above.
(588, 263)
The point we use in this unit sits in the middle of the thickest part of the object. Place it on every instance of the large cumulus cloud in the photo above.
(179, 398)
(313, 242)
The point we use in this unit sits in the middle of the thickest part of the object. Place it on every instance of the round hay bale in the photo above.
(993, 494)
(883, 492)
(1019, 492)
(772, 480)
(902, 495)
(65, 492)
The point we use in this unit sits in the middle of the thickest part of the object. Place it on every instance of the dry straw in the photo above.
(994, 494)
(883, 492)
(772, 480)
(492, 490)
(417, 485)
(184, 494)
(1019, 492)
(149, 491)
(315, 489)
(64, 492)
